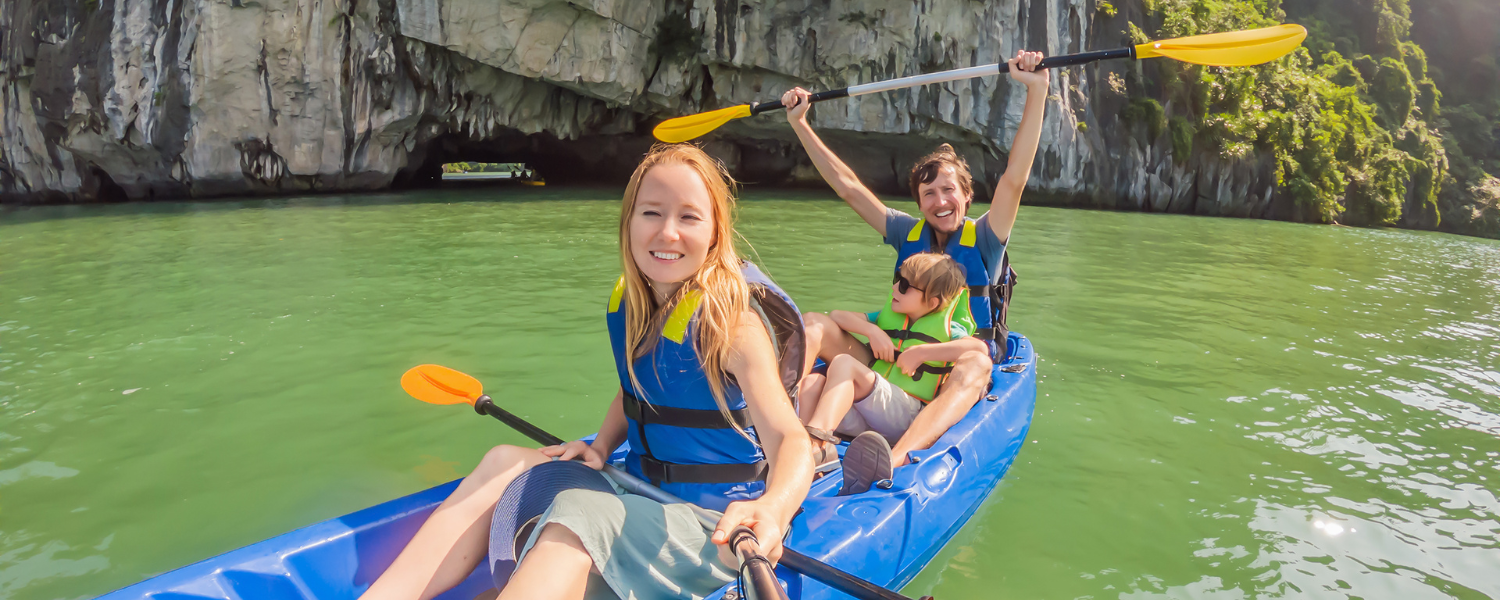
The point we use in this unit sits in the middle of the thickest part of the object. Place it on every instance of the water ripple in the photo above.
(1227, 408)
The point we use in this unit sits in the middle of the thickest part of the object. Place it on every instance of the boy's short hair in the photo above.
(938, 275)
(926, 170)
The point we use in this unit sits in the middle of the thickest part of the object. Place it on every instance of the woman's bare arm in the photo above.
(838, 175)
(596, 453)
(787, 447)
(612, 430)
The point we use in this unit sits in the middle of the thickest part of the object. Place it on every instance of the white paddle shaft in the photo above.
(927, 79)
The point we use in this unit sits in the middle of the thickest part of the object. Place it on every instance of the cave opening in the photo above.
(104, 187)
(538, 157)
(510, 157)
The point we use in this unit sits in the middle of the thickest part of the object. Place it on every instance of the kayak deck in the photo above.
(885, 535)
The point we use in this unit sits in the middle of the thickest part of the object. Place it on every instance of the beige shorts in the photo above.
(888, 410)
(642, 549)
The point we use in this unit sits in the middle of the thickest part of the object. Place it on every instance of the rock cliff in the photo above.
(105, 100)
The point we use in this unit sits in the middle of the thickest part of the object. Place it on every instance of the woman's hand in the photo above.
(910, 359)
(760, 518)
(1023, 69)
(577, 449)
(796, 101)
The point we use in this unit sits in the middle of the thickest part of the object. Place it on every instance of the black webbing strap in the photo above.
(979, 291)
(922, 369)
(664, 472)
(902, 334)
(925, 368)
(681, 417)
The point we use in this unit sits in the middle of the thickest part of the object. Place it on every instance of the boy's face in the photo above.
(913, 302)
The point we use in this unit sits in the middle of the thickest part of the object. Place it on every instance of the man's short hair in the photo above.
(929, 166)
(938, 275)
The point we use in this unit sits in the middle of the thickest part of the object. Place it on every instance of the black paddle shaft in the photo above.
(825, 573)
(1051, 62)
(756, 573)
(484, 405)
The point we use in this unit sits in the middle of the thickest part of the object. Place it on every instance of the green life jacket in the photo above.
(933, 328)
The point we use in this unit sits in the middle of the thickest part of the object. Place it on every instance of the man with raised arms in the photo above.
(943, 189)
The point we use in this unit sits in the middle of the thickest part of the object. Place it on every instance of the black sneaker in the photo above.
(867, 461)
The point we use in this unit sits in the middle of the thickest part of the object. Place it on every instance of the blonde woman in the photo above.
(703, 401)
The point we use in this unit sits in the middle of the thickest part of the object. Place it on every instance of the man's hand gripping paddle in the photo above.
(435, 384)
(1229, 49)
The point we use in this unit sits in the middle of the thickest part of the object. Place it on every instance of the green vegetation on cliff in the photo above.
(1355, 119)
(1462, 40)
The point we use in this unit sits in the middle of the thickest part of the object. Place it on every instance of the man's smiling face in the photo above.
(943, 202)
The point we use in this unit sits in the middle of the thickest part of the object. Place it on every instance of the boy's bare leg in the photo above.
(826, 340)
(557, 566)
(808, 396)
(968, 381)
(456, 536)
(848, 378)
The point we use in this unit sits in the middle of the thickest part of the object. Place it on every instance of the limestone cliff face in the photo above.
(115, 99)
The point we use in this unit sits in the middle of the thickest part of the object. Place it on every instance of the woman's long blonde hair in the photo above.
(725, 295)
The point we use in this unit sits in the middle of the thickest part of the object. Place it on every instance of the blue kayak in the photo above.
(885, 535)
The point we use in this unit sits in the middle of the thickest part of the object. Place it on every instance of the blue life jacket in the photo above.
(989, 292)
(678, 438)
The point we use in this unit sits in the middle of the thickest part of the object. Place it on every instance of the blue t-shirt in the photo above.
(991, 248)
(956, 330)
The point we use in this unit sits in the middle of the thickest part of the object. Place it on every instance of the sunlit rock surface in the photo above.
(126, 99)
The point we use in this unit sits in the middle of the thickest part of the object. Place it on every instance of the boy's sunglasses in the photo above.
(902, 285)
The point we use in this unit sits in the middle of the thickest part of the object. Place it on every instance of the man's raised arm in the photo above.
(838, 175)
(1023, 148)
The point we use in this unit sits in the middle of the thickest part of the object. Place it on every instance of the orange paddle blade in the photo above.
(436, 384)
(1229, 49)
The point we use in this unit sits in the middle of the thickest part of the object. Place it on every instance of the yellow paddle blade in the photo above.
(1229, 49)
(682, 129)
(436, 384)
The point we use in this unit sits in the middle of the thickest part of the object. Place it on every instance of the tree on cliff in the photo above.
(1356, 119)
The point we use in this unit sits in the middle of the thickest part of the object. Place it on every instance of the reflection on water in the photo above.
(1227, 409)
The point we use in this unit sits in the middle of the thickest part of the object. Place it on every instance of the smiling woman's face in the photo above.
(942, 202)
(671, 224)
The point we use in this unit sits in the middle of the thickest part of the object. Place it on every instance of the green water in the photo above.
(1228, 408)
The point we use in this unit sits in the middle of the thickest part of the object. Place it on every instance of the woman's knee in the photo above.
(503, 457)
(559, 533)
(558, 558)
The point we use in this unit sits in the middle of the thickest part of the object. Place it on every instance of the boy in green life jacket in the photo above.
(924, 326)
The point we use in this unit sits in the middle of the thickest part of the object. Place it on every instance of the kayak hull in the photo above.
(885, 535)
(889, 536)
